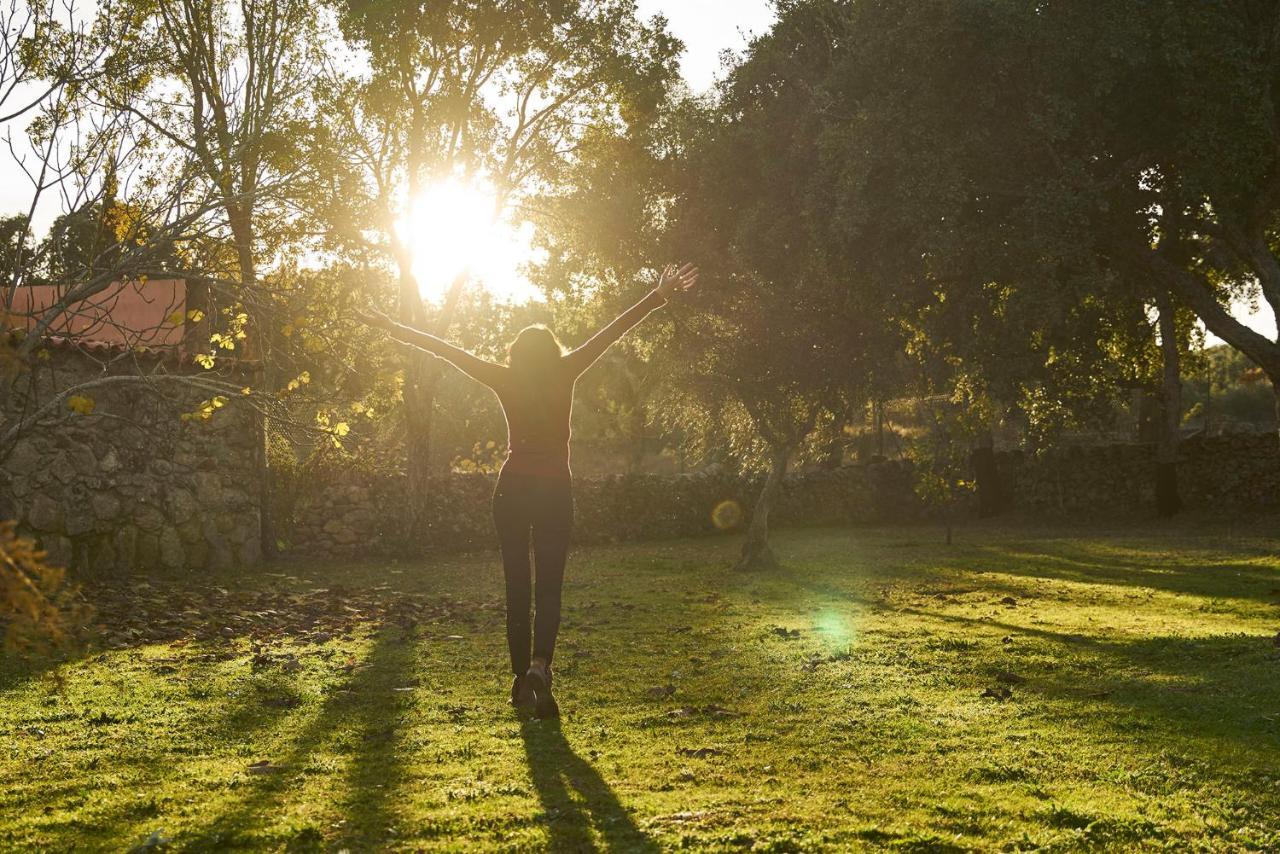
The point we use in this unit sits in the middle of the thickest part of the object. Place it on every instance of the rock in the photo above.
(62, 469)
(126, 543)
(25, 458)
(234, 499)
(78, 520)
(59, 549)
(109, 461)
(249, 553)
(172, 554)
(19, 486)
(181, 505)
(241, 529)
(105, 506)
(82, 459)
(148, 518)
(44, 514)
(208, 488)
(191, 531)
(146, 554)
(197, 554)
(102, 555)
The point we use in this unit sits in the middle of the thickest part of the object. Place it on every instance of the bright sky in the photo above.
(708, 27)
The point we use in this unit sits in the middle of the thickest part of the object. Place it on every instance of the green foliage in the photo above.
(1225, 389)
(940, 455)
(781, 342)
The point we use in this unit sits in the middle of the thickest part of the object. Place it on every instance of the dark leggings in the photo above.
(538, 509)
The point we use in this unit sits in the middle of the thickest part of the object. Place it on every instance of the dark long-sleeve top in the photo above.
(538, 413)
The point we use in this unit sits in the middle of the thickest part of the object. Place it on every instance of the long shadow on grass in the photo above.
(575, 797)
(1207, 572)
(1208, 692)
(361, 717)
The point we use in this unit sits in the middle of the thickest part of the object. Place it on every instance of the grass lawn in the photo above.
(1023, 689)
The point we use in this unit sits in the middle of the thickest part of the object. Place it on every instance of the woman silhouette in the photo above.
(532, 500)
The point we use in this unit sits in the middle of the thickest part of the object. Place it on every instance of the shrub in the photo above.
(38, 609)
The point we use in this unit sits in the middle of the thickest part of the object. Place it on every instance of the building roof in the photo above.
(124, 316)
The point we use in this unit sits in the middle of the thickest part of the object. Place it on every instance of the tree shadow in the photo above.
(349, 720)
(1194, 571)
(1216, 694)
(575, 798)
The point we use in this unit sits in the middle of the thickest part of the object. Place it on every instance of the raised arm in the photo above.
(673, 279)
(489, 373)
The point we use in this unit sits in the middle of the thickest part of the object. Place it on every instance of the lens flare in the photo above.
(835, 628)
(727, 514)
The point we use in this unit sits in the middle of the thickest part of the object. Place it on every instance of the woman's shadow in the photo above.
(575, 797)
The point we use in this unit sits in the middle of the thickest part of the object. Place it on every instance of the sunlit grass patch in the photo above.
(1007, 692)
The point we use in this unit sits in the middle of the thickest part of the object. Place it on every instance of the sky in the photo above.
(708, 27)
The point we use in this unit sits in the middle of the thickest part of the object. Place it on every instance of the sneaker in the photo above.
(539, 679)
(522, 696)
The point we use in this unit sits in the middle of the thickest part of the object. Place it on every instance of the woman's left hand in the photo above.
(677, 279)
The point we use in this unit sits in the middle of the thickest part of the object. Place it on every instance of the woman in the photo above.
(532, 499)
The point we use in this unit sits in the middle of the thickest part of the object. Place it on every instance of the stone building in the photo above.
(116, 479)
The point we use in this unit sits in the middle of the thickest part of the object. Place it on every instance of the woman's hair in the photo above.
(535, 350)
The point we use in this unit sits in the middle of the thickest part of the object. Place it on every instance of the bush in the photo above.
(38, 609)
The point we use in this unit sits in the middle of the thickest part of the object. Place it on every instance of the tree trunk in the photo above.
(1275, 388)
(756, 553)
(422, 377)
(243, 237)
(986, 477)
(1168, 500)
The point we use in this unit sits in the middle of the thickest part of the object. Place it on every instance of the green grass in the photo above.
(837, 705)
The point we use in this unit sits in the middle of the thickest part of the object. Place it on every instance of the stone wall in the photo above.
(131, 485)
(369, 517)
(1226, 475)
(1217, 476)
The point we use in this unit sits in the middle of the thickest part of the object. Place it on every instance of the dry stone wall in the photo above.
(132, 485)
(1221, 475)
(1227, 475)
(370, 517)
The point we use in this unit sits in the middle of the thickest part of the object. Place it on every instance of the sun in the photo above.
(455, 226)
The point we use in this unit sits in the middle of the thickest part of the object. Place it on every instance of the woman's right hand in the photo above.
(677, 279)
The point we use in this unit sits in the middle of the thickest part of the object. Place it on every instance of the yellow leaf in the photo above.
(195, 315)
(80, 404)
(342, 428)
(176, 318)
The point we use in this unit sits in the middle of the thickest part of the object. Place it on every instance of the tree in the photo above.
(785, 342)
(1140, 141)
(225, 85)
(504, 93)
(1008, 187)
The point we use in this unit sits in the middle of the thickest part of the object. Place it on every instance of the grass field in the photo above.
(1021, 690)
